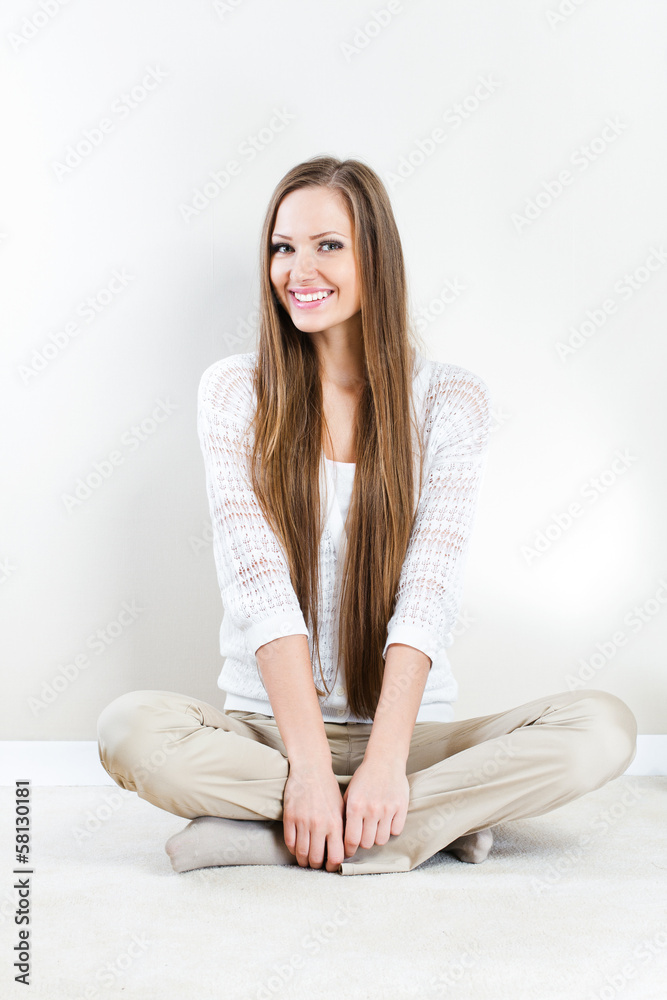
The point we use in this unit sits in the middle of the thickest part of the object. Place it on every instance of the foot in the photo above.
(472, 847)
(212, 840)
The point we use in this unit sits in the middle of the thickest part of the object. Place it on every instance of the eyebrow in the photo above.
(329, 232)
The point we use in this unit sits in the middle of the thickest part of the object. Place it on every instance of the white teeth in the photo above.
(310, 298)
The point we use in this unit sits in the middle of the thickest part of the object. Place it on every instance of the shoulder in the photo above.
(457, 401)
(450, 384)
(226, 386)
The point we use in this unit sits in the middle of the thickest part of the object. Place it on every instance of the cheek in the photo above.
(353, 280)
(275, 275)
(349, 282)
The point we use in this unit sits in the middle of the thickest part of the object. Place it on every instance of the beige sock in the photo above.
(208, 841)
(472, 847)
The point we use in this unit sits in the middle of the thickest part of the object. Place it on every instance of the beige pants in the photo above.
(194, 759)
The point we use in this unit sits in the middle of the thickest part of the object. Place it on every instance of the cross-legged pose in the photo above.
(342, 471)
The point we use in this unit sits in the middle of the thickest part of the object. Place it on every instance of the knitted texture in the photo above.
(453, 407)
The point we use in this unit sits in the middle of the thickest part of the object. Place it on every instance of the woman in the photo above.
(342, 471)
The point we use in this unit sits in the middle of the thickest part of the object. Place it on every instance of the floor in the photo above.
(571, 905)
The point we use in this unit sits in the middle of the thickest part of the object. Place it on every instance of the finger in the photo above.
(316, 852)
(383, 830)
(302, 846)
(398, 822)
(369, 832)
(335, 852)
(289, 835)
(353, 831)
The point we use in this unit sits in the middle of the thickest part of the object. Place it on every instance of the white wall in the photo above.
(309, 79)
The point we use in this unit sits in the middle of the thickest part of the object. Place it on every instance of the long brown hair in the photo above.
(289, 425)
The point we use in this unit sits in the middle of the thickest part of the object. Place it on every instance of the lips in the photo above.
(310, 303)
(310, 291)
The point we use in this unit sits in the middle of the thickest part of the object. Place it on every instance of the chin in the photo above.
(311, 327)
(309, 319)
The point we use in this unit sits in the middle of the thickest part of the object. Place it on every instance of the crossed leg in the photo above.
(197, 761)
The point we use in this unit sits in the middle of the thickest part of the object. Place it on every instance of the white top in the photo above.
(343, 475)
(453, 410)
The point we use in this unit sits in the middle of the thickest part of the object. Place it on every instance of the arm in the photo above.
(427, 604)
(257, 593)
(429, 590)
(312, 802)
(377, 797)
(253, 574)
(405, 674)
(428, 596)
(288, 678)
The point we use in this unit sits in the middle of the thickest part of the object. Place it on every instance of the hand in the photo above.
(313, 816)
(376, 804)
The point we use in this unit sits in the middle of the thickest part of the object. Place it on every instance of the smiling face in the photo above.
(313, 267)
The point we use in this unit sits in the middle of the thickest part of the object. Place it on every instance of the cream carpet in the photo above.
(550, 915)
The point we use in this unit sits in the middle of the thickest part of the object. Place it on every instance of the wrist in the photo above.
(385, 757)
(310, 763)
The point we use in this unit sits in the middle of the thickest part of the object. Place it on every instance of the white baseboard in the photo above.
(52, 762)
(651, 756)
(76, 762)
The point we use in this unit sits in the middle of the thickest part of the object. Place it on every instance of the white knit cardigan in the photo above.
(453, 408)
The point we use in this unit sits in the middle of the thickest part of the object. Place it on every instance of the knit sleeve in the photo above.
(252, 569)
(429, 592)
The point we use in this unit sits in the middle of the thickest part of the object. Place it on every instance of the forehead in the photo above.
(311, 210)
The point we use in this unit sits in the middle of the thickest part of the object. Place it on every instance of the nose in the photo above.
(303, 265)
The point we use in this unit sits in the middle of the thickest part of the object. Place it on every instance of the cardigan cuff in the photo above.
(286, 623)
(420, 638)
